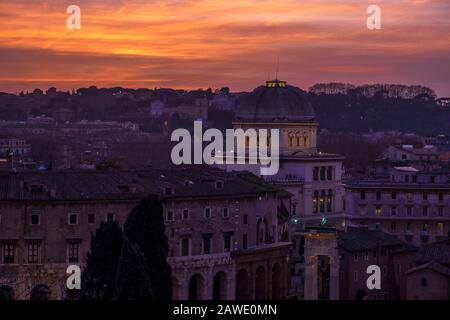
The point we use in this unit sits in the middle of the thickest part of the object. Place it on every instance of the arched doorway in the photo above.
(195, 291)
(361, 295)
(260, 284)
(40, 292)
(6, 293)
(220, 286)
(276, 282)
(242, 289)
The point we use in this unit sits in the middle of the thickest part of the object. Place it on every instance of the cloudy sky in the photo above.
(215, 43)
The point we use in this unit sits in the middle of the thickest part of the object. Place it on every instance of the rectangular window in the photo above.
(316, 173)
(33, 252)
(383, 252)
(440, 211)
(394, 195)
(245, 219)
(244, 241)
(225, 213)
(73, 219)
(355, 276)
(355, 257)
(409, 210)
(227, 242)
(393, 211)
(207, 213)
(378, 211)
(169, 215)
(362, 210)
(441, 196)
(393, 227)
(185, 247)
(110, 217)
(73, 252)
(207, 243)
(362, 195)
(409, 196)
(35, 219)
(329, 173)
(424, 211)
(185, 214)
(378, 195)
(366, 255)
(425, 196)
(91, 218)
(9, 250)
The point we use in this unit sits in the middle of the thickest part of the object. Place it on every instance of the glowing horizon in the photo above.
(199, 44)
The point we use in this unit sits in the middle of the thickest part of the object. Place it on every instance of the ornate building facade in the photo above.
(313, 177)
(222, 229)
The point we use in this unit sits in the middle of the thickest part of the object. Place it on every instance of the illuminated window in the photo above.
(322, 201)
(315, 201)
(409, 196)
(378, 211)
(440, 228)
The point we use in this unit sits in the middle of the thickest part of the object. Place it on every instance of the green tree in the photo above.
(98, 278)
(133, 279)
(145, 227)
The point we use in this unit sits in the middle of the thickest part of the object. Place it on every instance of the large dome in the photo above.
(276, 101)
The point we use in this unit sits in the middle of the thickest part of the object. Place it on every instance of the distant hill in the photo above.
(347, 108)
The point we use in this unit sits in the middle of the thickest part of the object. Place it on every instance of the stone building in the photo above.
(430, 279)
(222, 229)
(313, 177)
(360, 248)
(412, 204)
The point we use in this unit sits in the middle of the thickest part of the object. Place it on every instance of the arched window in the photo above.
(322, 173)
(329, 173)
(322, 201)
(329, 200)
(315, 201)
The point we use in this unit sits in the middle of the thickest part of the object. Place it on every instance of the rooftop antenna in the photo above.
(278, 64)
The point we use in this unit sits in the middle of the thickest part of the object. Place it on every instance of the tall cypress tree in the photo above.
(145, 227)
(133, 279)
(98, 278)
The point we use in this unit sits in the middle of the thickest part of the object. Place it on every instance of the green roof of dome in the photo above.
(276, 101)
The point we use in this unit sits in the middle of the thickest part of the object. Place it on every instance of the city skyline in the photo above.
(139, 44)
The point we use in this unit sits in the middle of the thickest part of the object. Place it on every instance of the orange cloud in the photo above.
(201, 43)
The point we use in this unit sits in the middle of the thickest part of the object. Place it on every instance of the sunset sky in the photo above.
(236, 43)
